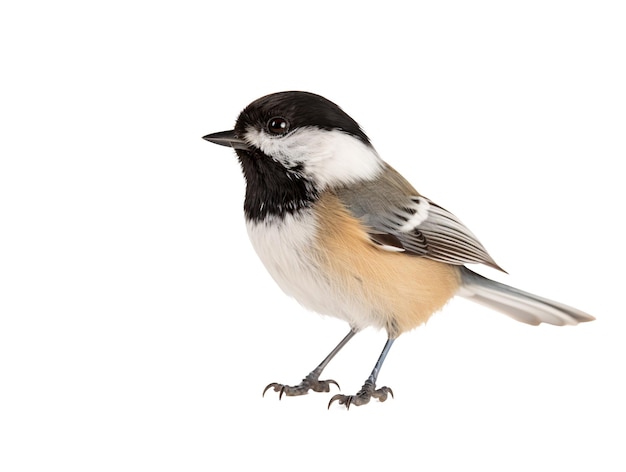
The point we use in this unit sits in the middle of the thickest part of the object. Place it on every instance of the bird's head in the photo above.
(304, 134)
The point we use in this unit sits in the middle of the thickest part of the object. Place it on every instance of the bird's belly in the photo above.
(326, 262)
(396, 291)
(287, 248)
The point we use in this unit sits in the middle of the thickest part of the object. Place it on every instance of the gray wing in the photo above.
(399, 219)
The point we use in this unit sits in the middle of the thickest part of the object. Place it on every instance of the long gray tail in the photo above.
(517, 304)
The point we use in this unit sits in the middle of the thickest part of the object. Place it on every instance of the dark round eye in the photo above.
(278, 126)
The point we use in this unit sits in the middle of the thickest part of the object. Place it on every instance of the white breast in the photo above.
(287, 249)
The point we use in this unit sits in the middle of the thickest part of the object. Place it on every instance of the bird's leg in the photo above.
(368, 390)
(312, 381)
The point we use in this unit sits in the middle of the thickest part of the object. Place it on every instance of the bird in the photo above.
(346, 235)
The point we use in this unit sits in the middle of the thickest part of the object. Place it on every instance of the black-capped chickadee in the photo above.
(346, 235)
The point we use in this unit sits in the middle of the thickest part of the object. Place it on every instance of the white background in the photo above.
(137, 327)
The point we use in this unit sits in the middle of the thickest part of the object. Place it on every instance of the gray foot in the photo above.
(363, 396)
(310, 382)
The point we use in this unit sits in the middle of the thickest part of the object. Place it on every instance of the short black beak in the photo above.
(227, 138)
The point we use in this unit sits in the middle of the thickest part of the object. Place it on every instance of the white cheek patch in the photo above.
(327, 157)
(273, 146)
(420, 208)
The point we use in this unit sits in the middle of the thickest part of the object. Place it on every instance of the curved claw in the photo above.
(342, 399)
(277, 388)
(327, 384)
(383, 393)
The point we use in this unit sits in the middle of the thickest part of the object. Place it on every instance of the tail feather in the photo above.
(520, 305)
